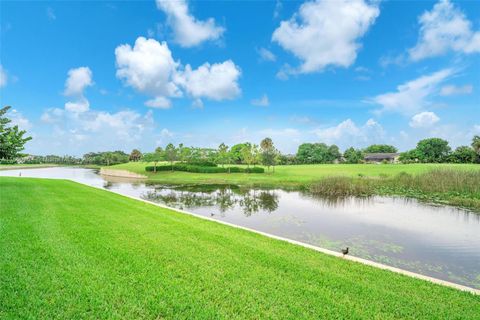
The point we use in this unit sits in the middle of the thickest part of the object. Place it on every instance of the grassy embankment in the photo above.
(70, 251)
(286, 176)
(454, 184)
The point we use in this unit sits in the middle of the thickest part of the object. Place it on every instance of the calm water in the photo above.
(438, 241)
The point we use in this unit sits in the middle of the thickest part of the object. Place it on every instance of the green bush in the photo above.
(254, 170)
(203, 169)
(8, 161)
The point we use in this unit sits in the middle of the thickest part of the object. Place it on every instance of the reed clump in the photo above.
(456, 187)
(343, 187)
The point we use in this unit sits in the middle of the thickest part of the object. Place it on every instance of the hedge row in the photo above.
(202, 169)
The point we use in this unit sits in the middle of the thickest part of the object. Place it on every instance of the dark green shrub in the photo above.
(254, 170)
(201, 169)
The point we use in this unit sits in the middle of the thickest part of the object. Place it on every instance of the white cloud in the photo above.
(216, 81)
(3, 77)
(188, 31)
(150, 68)
(81, 105)
(19, 120)
(347, 133)
(78, 79)
(266, 55)
(325, 32)
(451, 90)
(94, 130)
(413, 95)
(159, 102)
(424, 120)
(261, 102)
(444, 28)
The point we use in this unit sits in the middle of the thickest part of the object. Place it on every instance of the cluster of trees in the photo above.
(317, 153)
(105, 158)
(311, 153)
(242, 153)
(12, 139)
(436, 150)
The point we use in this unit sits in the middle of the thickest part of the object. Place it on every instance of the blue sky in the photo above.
(99, 75)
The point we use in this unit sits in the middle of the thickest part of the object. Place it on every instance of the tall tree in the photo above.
(353, 155)
(247, 154)
(155, 157)
(476, 144)
(12, 140)
(269, 153)
(171, 153)
(135, 155)
(433, 150)
(222, 154)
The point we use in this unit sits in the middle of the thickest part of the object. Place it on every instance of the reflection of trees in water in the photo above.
(250, 201)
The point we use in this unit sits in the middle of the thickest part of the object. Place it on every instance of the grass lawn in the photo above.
(68, 251)
(288, 176)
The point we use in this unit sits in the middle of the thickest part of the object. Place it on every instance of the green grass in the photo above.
(288, 176)
(68, 251)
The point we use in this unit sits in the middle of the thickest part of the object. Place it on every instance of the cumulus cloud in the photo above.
(19, 120)
(266, 55)
(150, 68)
(424, 119)
(81, 105)
(451, 90)
(347, 133)
(159, 102)
(216, 81)
(324, 32)
(413, 95)
(261, 102)
(188, 30)
(78, 79)
(105, 130)
(445, 28)
(3, 77)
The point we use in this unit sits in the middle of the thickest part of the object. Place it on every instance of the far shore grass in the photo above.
(288, 176)
(68, 251)
(452, 184)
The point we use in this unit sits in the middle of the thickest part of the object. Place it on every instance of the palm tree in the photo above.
(476, 144)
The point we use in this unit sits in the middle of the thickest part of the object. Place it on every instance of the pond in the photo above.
(438, 241)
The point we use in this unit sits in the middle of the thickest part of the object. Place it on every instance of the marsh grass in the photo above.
(449, 186)
(343, 187)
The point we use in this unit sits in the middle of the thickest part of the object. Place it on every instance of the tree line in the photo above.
(434, 150)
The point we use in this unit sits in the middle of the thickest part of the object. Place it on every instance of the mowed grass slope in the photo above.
(294, 175)
(68, 251)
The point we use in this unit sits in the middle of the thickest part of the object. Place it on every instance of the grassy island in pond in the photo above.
(71, 251)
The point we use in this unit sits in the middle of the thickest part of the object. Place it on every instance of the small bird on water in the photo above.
(345, 251)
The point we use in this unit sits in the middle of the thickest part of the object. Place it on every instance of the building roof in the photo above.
(381, 156)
